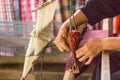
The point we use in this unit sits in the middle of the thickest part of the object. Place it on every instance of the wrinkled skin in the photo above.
(61, 41)
(89, 50)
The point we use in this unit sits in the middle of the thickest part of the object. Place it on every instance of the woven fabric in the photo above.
(7, 13)
(58, 16)
(26, 9)
(7, 51)
(7, 10)
(62, 12)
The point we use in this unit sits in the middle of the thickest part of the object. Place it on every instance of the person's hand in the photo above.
(61, 41)
(89, 50)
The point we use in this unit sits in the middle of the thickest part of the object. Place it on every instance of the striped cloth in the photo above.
(7, 10)
(6, 14)
(26, 9)
(62, 11)
(7, 51)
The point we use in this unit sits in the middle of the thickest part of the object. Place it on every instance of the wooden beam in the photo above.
(51, 58)
(105, 70)
(13, 41)
(105, 66)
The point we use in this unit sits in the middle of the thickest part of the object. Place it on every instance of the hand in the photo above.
(61, 41)
(89, 50)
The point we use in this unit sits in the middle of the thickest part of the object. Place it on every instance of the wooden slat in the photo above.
(13, 42)
(49, 58)
(105, 66)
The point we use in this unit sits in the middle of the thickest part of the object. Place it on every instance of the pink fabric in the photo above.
(7, 12)
(74, 37)
(94, 34)
(26, 9)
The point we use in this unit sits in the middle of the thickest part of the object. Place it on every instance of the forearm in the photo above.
(79, 17)
(111, 43)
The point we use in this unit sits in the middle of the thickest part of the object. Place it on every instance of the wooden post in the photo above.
(69, 75)
(105, 71)
(105, 65)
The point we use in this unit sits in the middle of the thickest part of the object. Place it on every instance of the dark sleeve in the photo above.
(96, 10)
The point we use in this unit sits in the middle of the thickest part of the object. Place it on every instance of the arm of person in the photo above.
(111, 43)
(93, 12)
(80, 18)
(61, 41)
(94, 46)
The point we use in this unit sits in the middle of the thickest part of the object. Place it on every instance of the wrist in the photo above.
(65, 26)
(111, 43)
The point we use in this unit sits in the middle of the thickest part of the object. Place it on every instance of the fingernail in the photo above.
(80, 60)
(76, 52)
(86, 63)
(61, 50)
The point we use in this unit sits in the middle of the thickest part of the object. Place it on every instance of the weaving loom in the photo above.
(41, 35)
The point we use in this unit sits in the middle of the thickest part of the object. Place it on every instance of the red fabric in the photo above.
(74, 37)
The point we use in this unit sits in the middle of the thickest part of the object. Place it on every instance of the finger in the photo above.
(60, 48)
(59, 44)
(79, 50)
(80, 53)
(65, 46)
(89, 61)
(83, 48)
(83, 58)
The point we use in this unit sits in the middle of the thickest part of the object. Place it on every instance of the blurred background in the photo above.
(16, 23)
